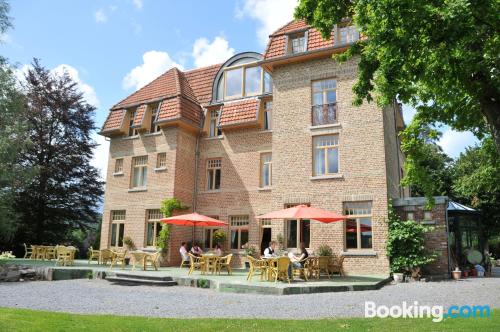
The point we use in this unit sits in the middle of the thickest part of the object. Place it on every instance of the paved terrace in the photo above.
(236, 283)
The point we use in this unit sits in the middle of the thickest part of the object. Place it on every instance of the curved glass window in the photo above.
(253, 77)
(234, 81)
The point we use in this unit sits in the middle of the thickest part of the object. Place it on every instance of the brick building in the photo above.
(258, 133)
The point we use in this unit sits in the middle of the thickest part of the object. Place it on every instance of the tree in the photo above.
(477, 183)
(441, 57)
(64, 194)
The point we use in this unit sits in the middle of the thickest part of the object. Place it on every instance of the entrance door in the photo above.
(266, 238)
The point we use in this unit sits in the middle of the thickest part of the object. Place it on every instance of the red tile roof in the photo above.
(276, 45)
(180, 108)
(114, 120)
(243, 111)
(139, 115)
(201, 81)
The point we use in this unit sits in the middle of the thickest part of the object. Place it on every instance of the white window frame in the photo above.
(238, 223)
(269, 164)
(139, 164)
(161, 161)
(117, 221)
(214, 129)
(242, 93)
(153, 216)
(298, 43)
(118, 166)
(364, 210)
(210, 231)
(154, 128)
(351, 34)
(131, 130)
(268, 109)
(327, 148)
(214, 165)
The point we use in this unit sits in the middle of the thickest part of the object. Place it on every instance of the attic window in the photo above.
(297, 43)
(347, 34)
(131, 130)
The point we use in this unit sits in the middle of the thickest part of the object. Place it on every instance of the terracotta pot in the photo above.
(398, 277)
(456, 274)
(465, 274)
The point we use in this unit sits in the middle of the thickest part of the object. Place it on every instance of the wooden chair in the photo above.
(225, 263)
(65, 256)
(138, 257)
(51, 253)
(185, 261)
(256, 265)
(105, 256)
(195, 263)
(321, 264)
(336, 266)
(28, 251)
(39, 252)
(152, 259)
(280, 269)
(211, 263)
(119, 258)
(303, 271)
(93, 255)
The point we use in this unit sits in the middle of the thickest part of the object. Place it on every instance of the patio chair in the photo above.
(303, 271)
(256, 265)
(321, 264)
(51, 253)
(105, 256)
(138, 257)
(280, 270)
(225, 263)
(185, 260)
(152, 259)
(39, 252)
(28, 251)
(335, 265)
(93, 255)
(119, 258)
(64, 256)
(195, 263)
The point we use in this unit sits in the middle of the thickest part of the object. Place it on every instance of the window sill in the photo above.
(156, 133)
(130, 137)
(118, 174)
(214, 138)
(428, 222)
(326, 126)
(327, 177)
(357, 253)
(159, 169)
(135, 190)
(266, 131)
(211, 191)
(265, 188)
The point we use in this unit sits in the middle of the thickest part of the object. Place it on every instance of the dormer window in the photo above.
(131, 129)
(297, 43)
(153, 127)
(347, 34)
(244, 82)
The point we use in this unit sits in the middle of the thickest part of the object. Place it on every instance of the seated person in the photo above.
(217, 250)
(184, 253)
(196, 250)
(269, 251)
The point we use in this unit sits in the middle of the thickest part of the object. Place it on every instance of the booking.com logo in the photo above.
(436, 312)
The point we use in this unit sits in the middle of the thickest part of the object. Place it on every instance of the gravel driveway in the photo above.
(101, 297)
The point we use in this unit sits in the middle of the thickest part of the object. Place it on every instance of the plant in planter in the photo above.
(281, 241)
(405, 246)
(250, 250)
(129, 243)
(324, 250)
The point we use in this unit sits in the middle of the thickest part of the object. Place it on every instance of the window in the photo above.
(139, 171)
(153, 226)
(239, 231)
(253, 77)
(161, 161)
(209, 235)
(266, 169)
(297, 231)
(118, 166)
(410, 216)
(427, 215)
(268, 83)
(347, 34)
(153, 127)
(326, 155)
(215, 130)
(297, 43)
(117, 227)
(234, 81)
(324, 102)
(358, 227)
(131, 129)
(265, 223)
(213, 174)
(268, 106)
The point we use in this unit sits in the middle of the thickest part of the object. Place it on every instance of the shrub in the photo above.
(219, 236)
(405, 244)
(324, 250)
(129, 243)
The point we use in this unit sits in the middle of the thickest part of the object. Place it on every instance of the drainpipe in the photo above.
(195, 184)
(447, 235)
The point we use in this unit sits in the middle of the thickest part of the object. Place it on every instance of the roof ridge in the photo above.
(202, 68)
(275, 33)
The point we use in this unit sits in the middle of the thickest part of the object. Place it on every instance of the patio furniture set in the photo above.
(142, 258)
(63, 255)
(209, 263)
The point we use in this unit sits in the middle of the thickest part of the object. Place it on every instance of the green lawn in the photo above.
(30, 320)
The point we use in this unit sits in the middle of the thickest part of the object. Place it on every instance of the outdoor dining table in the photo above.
(210, 261)
(270, 262)
(140, 256)
(40, 252)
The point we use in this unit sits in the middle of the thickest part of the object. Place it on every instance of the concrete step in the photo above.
(495, 272)
(136, 281)
(142, 276)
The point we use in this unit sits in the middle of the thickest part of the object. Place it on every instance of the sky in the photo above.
(113, 47)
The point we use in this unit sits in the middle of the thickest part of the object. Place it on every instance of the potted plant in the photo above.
(219, 237)
(249, 251)
(324, 250)
(281, 241)
(456, 274)
(398, 277)
(130, 245)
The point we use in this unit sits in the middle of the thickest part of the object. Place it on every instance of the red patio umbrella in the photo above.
(303, 212)
(193, 219)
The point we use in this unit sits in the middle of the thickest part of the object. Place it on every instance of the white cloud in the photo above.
(271, 15)
(100, 155)
(87, 90)
(100, 16)
(206, 53)
(154, 64)
(454, 142)
(5, 38)
(138, 4)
